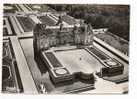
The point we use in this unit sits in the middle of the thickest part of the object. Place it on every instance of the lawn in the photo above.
(26, 23)
(114, 41)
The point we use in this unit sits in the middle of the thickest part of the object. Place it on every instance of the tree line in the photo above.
(114, 17)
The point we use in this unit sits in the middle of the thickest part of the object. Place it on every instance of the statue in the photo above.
(59, 20)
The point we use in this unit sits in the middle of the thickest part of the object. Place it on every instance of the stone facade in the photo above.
(44, 37)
